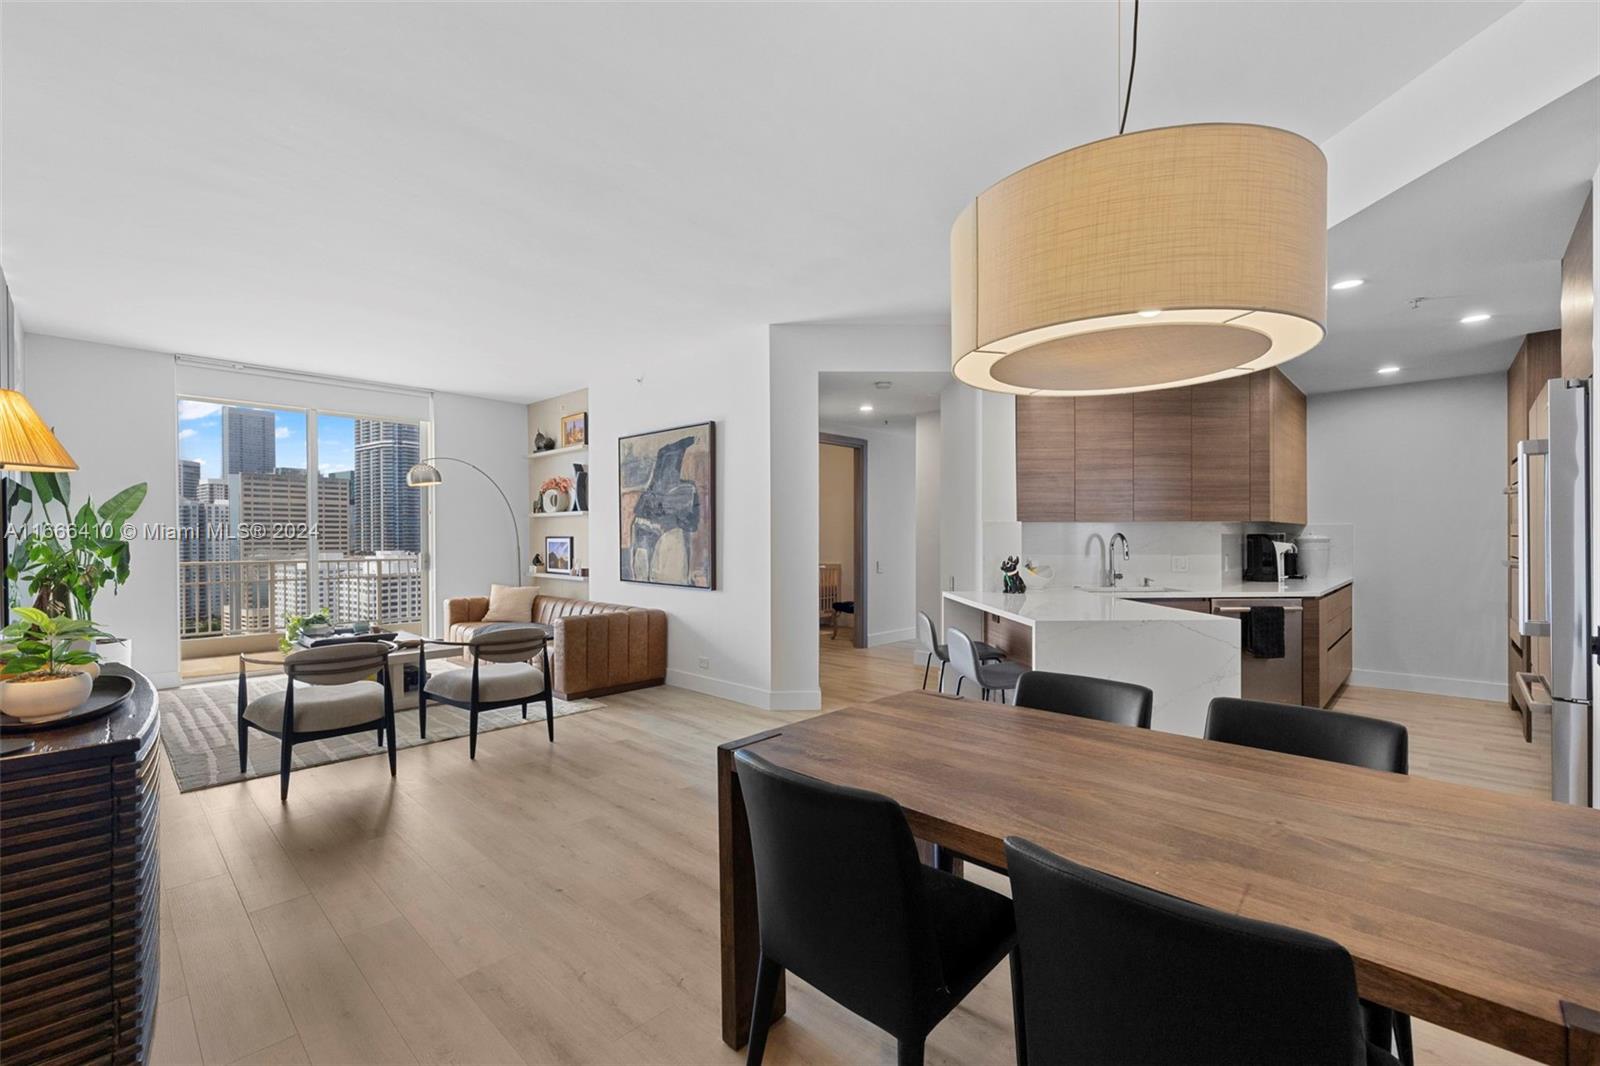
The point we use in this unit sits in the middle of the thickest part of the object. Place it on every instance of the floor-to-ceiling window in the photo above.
(287, 511)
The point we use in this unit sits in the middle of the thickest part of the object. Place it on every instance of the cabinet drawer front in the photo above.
(1336, 664)
(1335, 615)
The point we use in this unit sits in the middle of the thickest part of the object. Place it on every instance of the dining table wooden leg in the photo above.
(741, 941)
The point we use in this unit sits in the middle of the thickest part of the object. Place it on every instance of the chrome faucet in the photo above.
(1113, 575)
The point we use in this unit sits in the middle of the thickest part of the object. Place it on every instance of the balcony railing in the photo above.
(245, 597)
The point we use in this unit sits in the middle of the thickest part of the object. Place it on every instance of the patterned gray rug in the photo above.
(199, 727)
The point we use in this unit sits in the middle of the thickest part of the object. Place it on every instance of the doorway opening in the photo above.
(842, 536)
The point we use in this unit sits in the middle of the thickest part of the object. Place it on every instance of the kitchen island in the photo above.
(1184, 657)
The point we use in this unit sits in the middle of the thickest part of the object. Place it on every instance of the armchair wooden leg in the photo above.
(549, 714)
(286, 753)
(244, 747)
(769, 975)
(472, 734)
(909, 1052)
(389, 729)
(524, 710)
(422, 713)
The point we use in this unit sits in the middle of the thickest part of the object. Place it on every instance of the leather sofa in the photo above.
(599, 647)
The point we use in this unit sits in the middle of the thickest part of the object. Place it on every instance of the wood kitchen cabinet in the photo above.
(1103, 450)
(1046, 459)
(1226, 451)
(1537, 361)
(1327, 645)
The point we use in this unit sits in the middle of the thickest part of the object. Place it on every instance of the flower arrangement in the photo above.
(557, 484)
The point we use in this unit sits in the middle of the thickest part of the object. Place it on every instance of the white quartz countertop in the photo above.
(1067, 604)
(1225, 588)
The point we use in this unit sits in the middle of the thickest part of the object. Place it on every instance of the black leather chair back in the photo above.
(1099, 698)
(839, 893)
(1115, 973)
(1332, 736)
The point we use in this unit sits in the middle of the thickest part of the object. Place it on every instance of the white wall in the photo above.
(797, 354)
(928, 455)
(1418, 470)
(474, 540)
(728, 628)
(891, 527)
(960, 520)
(113, 409)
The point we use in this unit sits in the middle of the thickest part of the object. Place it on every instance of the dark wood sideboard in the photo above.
(80, 889)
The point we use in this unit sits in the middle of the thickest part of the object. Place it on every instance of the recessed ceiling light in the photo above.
(865, 408)
(1148, 314)
(1348, 283)
(1388, 370)
(1476, 317)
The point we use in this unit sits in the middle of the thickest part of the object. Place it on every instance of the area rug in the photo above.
(199, 728)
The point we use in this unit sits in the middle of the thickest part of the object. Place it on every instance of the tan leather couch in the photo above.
(599, 647)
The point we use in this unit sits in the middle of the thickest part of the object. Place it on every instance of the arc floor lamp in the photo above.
(425, 475)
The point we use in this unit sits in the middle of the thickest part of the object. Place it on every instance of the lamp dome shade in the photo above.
(1146, 261)
(424, 476)
(26, 443)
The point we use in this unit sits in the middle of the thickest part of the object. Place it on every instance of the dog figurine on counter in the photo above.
(1010, 580)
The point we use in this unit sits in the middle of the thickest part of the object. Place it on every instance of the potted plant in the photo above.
(296, 624)
(44, 664)
(65, 565)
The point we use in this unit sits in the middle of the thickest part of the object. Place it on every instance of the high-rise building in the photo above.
(248, 442)
(387, 512)
(268, 512)
(188, 479)
(204, 549)
(213, 490)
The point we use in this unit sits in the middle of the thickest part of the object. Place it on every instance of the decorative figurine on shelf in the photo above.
(1011, 581)
(580, 487)
(538, 563)
(542, 443)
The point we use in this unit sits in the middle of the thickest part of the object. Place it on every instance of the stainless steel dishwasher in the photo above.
(1277, 680)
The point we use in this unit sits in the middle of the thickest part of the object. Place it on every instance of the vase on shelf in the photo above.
(580, 487)
(555, 500)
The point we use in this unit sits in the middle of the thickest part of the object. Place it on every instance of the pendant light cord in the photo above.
(1133, 61)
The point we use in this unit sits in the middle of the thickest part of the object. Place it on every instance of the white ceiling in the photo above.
(468, 196)
(840, 395)
(1484, 232)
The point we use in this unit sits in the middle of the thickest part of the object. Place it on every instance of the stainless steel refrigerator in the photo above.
(1554, 582)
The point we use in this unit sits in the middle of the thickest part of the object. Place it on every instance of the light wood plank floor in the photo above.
(556, 903)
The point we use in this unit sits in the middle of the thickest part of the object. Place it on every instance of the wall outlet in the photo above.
(879, 567)
(705, 664)
(1180, 564)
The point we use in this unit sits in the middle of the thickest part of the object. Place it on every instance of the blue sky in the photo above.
(200, 430)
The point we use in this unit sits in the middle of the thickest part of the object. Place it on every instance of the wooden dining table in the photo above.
(1472, 909)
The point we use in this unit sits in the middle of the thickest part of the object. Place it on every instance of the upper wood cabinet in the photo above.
(1221, 479)
(1046, 459)
(1577, 297)
(1162, 450)
(1277, 449)
(1226, 451)
(1104, 452)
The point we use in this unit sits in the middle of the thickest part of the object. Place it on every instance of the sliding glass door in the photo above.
(285, 512)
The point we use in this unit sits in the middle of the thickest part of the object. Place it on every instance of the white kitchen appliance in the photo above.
(1553, 486)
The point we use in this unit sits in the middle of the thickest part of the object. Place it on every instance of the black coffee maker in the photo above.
(1261, 558)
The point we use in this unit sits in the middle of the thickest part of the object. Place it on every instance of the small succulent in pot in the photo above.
(46, 664)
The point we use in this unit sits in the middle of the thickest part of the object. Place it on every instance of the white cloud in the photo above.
(282, 433)
(203, 463)
(185, 434)
(190, 410)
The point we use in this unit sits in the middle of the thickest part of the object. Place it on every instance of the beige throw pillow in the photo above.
(511, 603)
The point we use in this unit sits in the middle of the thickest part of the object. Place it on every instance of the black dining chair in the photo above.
(990, 677)
(844, 904)
(1331, 736)
(927, 634)
(1100, 698)
(1115, 973)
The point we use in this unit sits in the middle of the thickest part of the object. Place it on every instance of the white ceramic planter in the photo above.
(556, 501)
(41, 701)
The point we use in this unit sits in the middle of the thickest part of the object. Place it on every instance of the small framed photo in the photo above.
(575, 429)
(558, 555)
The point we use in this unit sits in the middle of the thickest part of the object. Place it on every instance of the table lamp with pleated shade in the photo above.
(26, 443)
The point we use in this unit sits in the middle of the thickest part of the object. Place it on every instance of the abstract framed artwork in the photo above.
(666, 488)
(575, 430)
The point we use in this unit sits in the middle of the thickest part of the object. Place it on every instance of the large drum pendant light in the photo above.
(1144, 261)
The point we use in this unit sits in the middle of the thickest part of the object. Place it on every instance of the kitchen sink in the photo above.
(1110, 589)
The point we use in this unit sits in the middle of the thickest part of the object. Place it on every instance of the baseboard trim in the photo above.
(1434, 686)
(891, 636)
(168, 680)
(750, 695)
